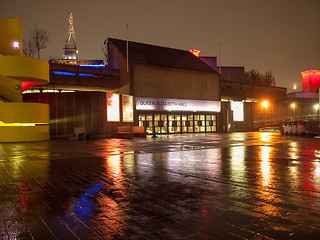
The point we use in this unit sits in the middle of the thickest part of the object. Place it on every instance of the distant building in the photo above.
(241, 99)
(304, 105)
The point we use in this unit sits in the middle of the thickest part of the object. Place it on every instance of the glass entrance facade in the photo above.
(178, 123)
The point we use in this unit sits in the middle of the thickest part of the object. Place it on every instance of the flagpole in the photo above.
(219, 59)
(127, 48)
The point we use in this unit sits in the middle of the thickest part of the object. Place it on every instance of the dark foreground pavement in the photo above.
(218, 186)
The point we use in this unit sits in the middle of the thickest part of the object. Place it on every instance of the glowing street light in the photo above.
(16, 44)
(265, 104)
(293, 105)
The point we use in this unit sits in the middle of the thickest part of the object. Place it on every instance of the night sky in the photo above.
(282, 36)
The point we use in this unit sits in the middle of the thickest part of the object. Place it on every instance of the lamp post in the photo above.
(316, 107)
(265, 105)
(293, 105)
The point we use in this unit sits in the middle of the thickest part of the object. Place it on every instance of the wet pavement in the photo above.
(256, 185)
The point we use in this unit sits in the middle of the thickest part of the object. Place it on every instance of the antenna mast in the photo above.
(70, 48)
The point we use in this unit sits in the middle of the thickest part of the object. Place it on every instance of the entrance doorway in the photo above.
(178, 123)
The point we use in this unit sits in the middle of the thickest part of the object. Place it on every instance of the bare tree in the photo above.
(28, 48)
(37, 40)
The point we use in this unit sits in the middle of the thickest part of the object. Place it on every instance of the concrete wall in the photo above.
(232, 74)
(117, 61)
(166, 82)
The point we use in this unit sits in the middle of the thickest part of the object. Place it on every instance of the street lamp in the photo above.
(293, 105)
(16, 44)
(316, 107)
(265, 105)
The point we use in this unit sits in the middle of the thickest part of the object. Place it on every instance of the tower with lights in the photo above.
(70, 48)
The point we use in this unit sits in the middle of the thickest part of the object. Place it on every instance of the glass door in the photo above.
(164, 123)
(184, 123)
(197, 123)
(190, 123)
(211, 123)
(157, 123)
(214, 123)
(148, 124)
(177, 118)
(171, 123)
(202, 123)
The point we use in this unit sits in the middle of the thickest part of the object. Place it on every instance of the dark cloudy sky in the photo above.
(282, 36)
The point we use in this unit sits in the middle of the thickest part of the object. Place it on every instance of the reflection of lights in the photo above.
(129, 164)
(237, 165)
(114, 164)
(317, 169)
(293, 150)
(265, 136)
(83, 208)
(317, 153)
(265, 164)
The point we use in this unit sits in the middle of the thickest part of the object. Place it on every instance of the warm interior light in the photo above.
(293, 105)
(316, 106)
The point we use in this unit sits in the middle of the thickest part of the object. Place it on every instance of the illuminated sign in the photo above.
(127, 108)
(237, 108)
(113, 107)
(177, 105)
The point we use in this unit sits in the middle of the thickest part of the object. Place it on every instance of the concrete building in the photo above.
(174, 90)
(162, 89)
(167, 88)
(20, 121)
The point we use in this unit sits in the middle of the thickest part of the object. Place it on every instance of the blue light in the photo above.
(93, 65)
(64, 73)
(86, 74)
(83, 208)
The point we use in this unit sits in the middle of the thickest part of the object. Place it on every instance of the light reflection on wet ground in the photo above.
(218, 186)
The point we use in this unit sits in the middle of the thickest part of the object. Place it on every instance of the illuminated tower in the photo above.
(70, 48)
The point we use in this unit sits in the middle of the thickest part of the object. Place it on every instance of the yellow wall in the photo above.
(34, 116)
(11, 31)
(15, 112)
(24, 133)
(9, 89)
(24, 68)
(20, 121)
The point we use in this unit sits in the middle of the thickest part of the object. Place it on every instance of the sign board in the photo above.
(166, 104)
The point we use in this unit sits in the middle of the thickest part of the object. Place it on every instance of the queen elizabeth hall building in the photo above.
(174, 90)
(169, 89)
